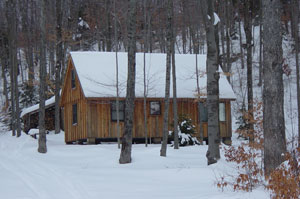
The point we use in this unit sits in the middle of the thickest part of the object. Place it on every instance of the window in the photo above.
(203, 112)
(222, 116)
(155, 108)
(204, 116)
(114, 110)
(74, 113)
(73, 78)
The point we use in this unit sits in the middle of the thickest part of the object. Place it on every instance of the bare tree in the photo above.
(125, 156)
(117, 75)
(248, 32)
(199, 103)
(59, 62)
(42, 148)
(163, 150)
(175, 114)
(12, 38)
(213, 152)
(296, 35)
(273, 93)
(144, 70)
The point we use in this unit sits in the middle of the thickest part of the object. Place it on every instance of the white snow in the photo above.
(36, 107)
(217, 19)
(93, 172)
(97, 74)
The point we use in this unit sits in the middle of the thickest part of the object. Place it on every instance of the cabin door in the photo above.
(92, 123)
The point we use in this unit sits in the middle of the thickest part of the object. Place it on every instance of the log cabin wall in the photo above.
(100, 125)
(71, 96)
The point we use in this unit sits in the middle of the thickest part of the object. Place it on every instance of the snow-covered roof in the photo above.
(35, 107)
(97, 75)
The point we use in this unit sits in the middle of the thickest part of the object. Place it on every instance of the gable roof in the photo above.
(97, 74)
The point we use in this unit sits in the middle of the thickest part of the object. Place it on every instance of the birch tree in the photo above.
(213, 152)
(125, 156)
(273, 93)
(296, 35)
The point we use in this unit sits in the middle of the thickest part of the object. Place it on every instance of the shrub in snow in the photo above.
(247, 156)
(186, 131)
(284, 182)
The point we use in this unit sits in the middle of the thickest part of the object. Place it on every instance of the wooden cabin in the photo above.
(89, 95)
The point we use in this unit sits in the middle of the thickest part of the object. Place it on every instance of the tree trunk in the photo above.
(117, 76)
(260, 45)
(248, 32)
(59, 62)
(108, 25)
(163, 150)
(12, 30)
(228, 44)
(4, 61)
(296, 34)
(273, 93)
(125, 156)
(198, 103)
(144, 71)
(213, 152)
(175, 114)
(42, 148)
(241, 43)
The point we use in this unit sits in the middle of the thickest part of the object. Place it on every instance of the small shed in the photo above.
(30, 116)
(89, 95)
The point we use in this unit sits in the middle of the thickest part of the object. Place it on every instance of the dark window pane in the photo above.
(74, 111)
(155, 108)
(203, 112)
(73, 79)
(114, 110)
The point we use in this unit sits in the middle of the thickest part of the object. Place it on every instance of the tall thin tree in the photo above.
(12, 38)
(296, 35)
(59, 61)
(175, 112)
(273, 92)
(117, 75)
(125, 156)
(42, 148)
(163, 150)
(144, 70)
(213, 152)
(248, 33)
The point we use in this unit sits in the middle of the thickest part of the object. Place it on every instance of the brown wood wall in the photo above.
(101, 126)
(69, 97)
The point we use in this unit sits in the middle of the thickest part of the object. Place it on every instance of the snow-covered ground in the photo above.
(93, 171)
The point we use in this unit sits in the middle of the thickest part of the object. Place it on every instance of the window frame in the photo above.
(157, 112)
(73, 79)
(204, 107)
(224, 113)
(121, 110)
(74, 114)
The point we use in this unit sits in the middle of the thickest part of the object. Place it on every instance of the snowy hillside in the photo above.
(93, 172)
